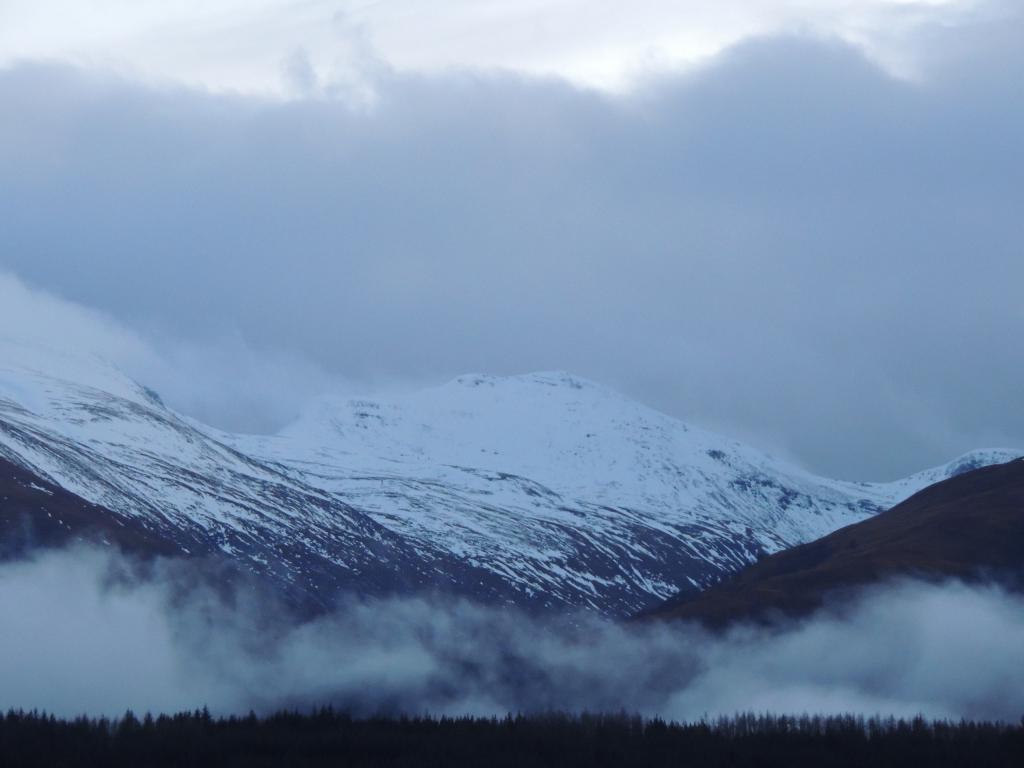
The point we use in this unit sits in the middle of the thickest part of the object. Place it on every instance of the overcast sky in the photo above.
(799, 223)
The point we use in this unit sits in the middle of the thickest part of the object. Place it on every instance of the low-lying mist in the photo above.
(78, 637)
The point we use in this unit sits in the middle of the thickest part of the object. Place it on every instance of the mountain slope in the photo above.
(567, 485)
(113, 443)
(35, 514)
(967, 527)
(541, 490)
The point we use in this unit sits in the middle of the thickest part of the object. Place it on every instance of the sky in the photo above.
(797, 223)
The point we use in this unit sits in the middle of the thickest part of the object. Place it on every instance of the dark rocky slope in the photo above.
(969, 527)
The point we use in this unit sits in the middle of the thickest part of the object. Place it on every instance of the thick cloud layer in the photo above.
(787, 244)
(78, 637)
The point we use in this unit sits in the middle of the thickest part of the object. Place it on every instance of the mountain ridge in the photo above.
(543, 490)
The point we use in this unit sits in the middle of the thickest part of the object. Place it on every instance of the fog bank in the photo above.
(78, 637)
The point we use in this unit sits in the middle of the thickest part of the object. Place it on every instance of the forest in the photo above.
(330, 738)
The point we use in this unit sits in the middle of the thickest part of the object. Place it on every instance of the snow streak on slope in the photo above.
(544, 490)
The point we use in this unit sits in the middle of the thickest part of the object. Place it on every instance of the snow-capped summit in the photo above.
(544, 489)
(576, 438)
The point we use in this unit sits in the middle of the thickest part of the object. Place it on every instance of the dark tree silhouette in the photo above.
(330, 738)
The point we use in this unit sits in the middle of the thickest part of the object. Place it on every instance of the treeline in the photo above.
(329, 738)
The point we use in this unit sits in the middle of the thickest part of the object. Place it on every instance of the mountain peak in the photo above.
(26, 366)
(976, 459)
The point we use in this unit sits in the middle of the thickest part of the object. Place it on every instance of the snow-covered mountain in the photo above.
(543, 490)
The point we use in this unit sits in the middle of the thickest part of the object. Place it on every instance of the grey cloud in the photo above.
(786, 245)
(78, 637)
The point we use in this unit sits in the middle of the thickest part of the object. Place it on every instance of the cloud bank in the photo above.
(80, 637)
(248, 46)
(787, 245)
